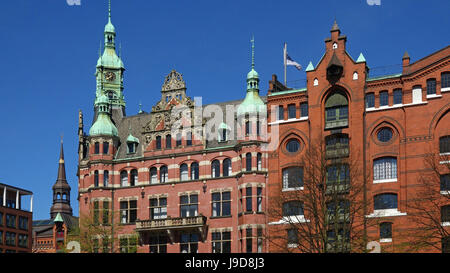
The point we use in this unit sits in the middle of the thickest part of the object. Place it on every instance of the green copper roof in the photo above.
(384, 77)
(58, 218)
(103, 125)
(310, 67)
(288, 92)
(110, 59)
(252, 104)
(133, 139)
(109, 26)
(361, 59)
(252, 74)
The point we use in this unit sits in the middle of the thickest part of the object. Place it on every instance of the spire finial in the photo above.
(253, 51)
(140, 107)
(109, 11)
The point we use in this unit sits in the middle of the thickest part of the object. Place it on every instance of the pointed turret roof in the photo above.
(61, 181)
(335, 26)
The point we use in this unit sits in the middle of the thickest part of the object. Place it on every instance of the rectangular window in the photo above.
(1, 219)
(398, 96)
(304, 109)
(1, 238)
(445, 80)
(444, 144)
(158, 142)
(96, 148)
(105, 212)
(128, 211)
(221, 242)
(385, 230)
(259, 199)
(158, 243)
(128, 244)
(248, 128)
(248, 199)
(221, 204)
(158, 208)
(105, 148)
(259, 233)
(189, 243)
(106, 245)
(95, 246)
(385, 168)
(331, 114)
(189, 205)
(431, 87)
(445, 213)
(96, 212)
(292, 111)
(178, 140)
(292, 235)
(280, 112)
(10, 238)
(249, 241)
(370, 100)
(189, 139)
(292, 177)
(168, 141)
(384, 98)
(445, 182)
(10, 221)
(23, 222)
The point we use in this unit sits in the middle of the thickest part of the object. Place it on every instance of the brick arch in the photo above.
(330, 88)
(387, 120)
(445, 110)
(303, 138)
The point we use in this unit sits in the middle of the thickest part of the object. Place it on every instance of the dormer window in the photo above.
(131, 147)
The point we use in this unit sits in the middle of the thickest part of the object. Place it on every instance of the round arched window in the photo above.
(293, 146)
(385, 134)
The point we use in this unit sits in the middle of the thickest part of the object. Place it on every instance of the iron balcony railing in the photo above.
(171, 223)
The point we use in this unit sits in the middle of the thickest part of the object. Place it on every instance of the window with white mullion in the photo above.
(385, 169)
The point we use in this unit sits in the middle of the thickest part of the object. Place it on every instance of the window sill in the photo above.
(288, 120)
(444, 154)
(220, 217)
(293, 189)
(291, 220)
(385, 181)
(446, 89)
(292, 245)
(386, 213)
(445, 224)
(386, 240)
(445, 192)
(434, 96)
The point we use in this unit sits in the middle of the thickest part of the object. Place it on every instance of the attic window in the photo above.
(131, 147)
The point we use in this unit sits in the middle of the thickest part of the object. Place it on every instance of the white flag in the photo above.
(289, 61)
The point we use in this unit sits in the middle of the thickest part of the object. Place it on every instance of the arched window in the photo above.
(336, 111)
(133, 177)
(184, 173)
(105, 148)
(105, 178)
(259, 162)
(316, 82)
(248, 162)
(153, 175)
(227, 167)
(385, 168)
(96, 179)
(164, 174)
(168, 141)
(123, 178)
(158, 142)
(292, 208)
(64, 196)
(215, 168)
(194, 171)
(355, 76)
(178, 140)
(97, 147)
(385, 201)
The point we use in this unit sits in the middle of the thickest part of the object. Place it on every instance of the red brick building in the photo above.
(198, 187)
(15, 220)
(387, 126)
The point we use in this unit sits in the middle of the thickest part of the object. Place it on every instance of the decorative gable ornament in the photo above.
(173, 81)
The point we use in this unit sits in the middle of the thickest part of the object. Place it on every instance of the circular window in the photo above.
(385, 134)
(293, 146)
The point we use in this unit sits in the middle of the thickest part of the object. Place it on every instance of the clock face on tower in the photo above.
(110, 76)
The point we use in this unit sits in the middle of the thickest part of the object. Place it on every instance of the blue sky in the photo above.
(49, 50)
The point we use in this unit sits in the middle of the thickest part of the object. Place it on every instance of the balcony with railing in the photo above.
(171, 223)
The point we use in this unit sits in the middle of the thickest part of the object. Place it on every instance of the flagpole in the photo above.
(285, 51)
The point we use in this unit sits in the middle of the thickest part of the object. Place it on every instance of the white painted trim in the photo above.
(288, 121)
(386, 240)
(291, 220)
(434, 96)
(385, 213)
(293, 189)
(444, 154)
(446, 89)
(445, 224)
(373, 109)
(444, 162)
(445, 192)
(292, 245)
(385, 180)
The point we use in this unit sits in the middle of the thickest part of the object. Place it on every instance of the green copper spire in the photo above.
(58, 218)
(361, 58)
(252, 102)
(103, 125)
(310, 67)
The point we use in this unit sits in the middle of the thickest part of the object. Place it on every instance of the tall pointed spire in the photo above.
(109, 12)
(61, 189)
(253, 52)
(335, 26)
